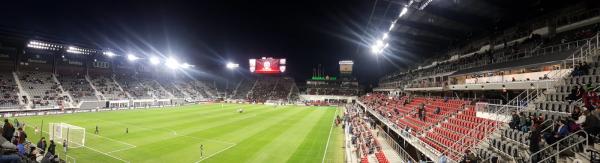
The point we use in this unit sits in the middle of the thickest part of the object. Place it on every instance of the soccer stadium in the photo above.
(355, 81)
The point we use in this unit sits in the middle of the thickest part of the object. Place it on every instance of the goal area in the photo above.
(73, 135)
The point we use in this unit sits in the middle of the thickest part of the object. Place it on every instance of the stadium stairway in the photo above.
(386, 150)
(96, 92)
(63, 92)
(21, 92)
(163, 89)
(121, 88)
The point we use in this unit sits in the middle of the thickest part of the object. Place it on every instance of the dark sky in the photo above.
(207, 33)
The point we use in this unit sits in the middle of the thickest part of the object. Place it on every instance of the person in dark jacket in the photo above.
(534, 141)
(42, 144)
(52, 147)
(8, 130)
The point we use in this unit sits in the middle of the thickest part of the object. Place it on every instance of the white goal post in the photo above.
(74, 135)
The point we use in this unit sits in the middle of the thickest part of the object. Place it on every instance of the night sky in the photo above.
(208, 33)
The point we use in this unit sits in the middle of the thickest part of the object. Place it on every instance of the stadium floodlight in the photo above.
(232, 65)
(154, 60)
(403, 12)
(172, 63)
(377, 48)
(131, 57)
(385, 36)
(108, 53)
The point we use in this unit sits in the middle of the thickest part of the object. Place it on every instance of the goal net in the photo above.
(74, 135)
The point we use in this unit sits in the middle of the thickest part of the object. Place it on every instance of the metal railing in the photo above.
(520, 101)
(401, 152)
(574, 140)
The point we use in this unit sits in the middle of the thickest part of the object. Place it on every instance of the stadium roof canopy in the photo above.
(445, 24)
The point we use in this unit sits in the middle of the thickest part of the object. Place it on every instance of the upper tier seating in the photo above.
(133, 86)
(78, 87)
(107, 86)
(262, 90)
(43, 90)
(155, 88)
(188, 89)
(8, 91)
(243, 89)
(170, 87)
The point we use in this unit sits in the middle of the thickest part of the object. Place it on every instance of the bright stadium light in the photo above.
(385, 36)
(379, 45)
(232, 65)
(131, 57)
(172, 63)
(403, 12)
(154, 60)
(109, 53)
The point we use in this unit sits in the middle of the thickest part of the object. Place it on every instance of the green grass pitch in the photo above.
(259, 135)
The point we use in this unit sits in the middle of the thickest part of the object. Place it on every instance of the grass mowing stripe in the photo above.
(211, 133)
(312, 149)
(279, 132)
(250, 138)
(290, 138)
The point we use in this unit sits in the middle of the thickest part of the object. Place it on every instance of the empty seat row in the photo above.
(556, 106)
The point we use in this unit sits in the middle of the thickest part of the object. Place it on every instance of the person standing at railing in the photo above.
(534, 142)
(592, 124)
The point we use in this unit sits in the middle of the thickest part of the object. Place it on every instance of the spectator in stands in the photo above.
(576, 113)
(41, 144)
(469, 157)
(561, 132)
(22, 136)
(514, 122)
(52, 147)
(8, 130)
(588, 98)
(572, 96)
(437, 110)
(534, 141)
(592, 123)
(523, 122)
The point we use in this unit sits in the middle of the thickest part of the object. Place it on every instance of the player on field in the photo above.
(65, 145)
(201, 150)
(96, 131)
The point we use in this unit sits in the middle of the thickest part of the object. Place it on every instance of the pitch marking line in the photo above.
(329, 137)
(209, 156)
(95, 150)
(130, 145)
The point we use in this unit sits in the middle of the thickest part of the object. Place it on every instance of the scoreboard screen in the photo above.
(267, 65)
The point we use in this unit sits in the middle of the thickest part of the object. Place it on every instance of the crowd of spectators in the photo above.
(360, 128)
(107, 86)
(155, 88)
(507, 52)
(42, 88)
(78, 87)
(133, 86)
(8, 91)
(15, 146)
(271, 89)
(242, 90)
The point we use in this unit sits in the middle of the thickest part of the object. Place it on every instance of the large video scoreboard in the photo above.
(267, 65)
